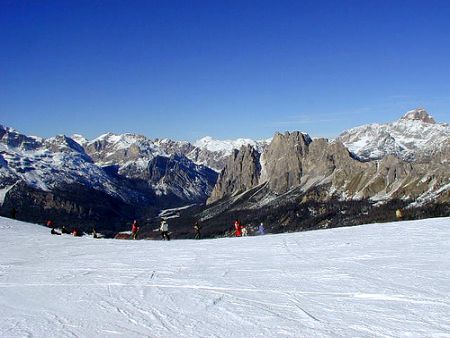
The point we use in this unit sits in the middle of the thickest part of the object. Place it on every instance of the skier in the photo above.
(134, 229)
(65, 230)
(164, 228)
(94, 233)
(261, 229)
(399, 214)
(13, 213)
(237, 228)
(50, 223)
(244, 231)
(197, 228)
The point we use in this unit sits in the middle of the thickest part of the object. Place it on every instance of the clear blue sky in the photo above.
(186, 69)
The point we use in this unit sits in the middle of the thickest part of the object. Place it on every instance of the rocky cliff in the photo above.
(294, 161)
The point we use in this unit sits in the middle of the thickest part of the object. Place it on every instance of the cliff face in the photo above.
(241, 172)
(294, 161)
(284, 160)
(299, 184)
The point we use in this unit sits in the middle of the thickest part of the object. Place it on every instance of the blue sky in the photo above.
(186, 69)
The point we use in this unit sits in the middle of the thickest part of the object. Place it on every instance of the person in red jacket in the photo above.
(134, 229)
(237, 228)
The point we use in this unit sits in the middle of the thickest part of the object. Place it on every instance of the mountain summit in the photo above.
(419, 114)
(414, 137)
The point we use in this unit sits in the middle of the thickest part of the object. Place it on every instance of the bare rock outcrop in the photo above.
(294, 161)
(241, 172)
(284, 160)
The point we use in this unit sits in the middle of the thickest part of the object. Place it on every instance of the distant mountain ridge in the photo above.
(414, 137)
(108, 180)
(122, 176)
(298, 182)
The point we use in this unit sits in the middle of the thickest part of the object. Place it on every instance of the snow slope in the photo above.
(379, 280)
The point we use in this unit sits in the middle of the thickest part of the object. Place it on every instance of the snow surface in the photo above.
(379, 280)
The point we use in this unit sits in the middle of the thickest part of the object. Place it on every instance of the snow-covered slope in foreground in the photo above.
(379, 280)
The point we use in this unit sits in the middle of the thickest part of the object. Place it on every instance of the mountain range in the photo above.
(291, 181)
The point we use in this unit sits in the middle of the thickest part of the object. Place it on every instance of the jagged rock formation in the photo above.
(293, 160)
(214, 153)
(241, 173)
(318, 183)
(160, 164)
(283, 160)
(419, 114)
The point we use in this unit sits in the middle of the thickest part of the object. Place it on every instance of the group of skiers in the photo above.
(241, 230)
(163, 228)
(238, 231)
(65, 230)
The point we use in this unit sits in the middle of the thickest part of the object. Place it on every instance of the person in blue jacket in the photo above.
(261, 229)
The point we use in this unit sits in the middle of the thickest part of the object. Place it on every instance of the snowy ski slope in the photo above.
(379, 280)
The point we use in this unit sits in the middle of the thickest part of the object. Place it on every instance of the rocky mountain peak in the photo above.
(63, 143)
(13, 139)
(80, 139)
(418, 114)
(241, 172)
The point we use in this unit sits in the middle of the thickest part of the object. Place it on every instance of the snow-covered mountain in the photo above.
(129, 167)
(112, 177)
(375, 280)
(214, 153)
(133, 172)
(414, 137)
(124, 149)
(47, 164)
(227, 146)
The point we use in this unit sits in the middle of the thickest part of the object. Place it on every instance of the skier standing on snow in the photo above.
(134, 229)
(244, 230)
(164, 228)
(261, 229)
(237, 228)
(197, 228)
(399, 214)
